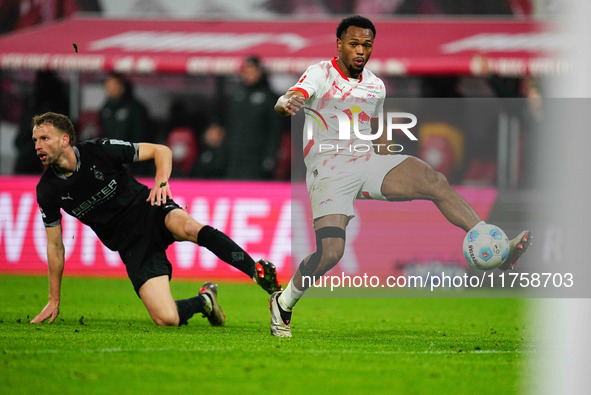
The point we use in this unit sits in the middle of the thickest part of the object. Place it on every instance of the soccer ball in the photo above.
(486, 247)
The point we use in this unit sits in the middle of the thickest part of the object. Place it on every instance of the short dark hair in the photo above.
(59, 121)
(355, 20)
(123, 81)
(255, 61)
(117, 76)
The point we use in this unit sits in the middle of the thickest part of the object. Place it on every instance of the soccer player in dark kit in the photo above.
(90, 182)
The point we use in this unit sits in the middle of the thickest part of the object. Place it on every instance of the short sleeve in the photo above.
(311, 81)
(122, 151)
(50, 210)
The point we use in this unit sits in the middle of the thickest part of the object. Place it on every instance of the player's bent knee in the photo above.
(332, 255)
(330, 243)
(326, 265)
(182, 225)
(165, 319)
(436, 182)
(192, 229)
(330, 246)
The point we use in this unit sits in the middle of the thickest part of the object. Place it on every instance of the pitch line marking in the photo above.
(315, 351)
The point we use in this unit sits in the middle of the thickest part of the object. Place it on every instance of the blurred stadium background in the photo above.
(184, 59)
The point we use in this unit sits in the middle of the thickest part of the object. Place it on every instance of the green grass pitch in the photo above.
(104, 342)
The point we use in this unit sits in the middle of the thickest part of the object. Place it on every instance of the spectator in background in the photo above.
(181, 138)
(122, 116)
(253, 131)
(49, 94)
(212, 159)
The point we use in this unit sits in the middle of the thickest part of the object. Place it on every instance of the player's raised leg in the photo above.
(185, 228)
(415, 179)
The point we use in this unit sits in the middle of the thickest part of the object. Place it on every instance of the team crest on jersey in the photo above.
(97, 173)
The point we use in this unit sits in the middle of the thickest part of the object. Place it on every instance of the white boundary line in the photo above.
(303, 351)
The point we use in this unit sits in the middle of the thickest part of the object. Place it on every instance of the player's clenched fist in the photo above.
(290, 103)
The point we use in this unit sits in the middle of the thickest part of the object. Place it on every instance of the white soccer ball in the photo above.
(486, 247)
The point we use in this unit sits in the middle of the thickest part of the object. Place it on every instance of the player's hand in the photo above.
(51, 311)
(159, 193)
(294, 104)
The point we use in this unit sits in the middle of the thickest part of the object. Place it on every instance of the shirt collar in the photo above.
(336, 66)
(63, 176)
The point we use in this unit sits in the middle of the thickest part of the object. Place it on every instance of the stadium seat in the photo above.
(184, 148)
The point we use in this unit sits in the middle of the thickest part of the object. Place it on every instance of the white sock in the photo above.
(290, 296)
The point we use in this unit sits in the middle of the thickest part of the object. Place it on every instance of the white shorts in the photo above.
(333, 192)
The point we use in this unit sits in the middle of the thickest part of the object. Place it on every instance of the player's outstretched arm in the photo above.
(162, 156)
(290, 103)
(55, 263)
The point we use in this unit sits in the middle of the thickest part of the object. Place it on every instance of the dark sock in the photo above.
(188, 307)
(225, 249)
(285, 315)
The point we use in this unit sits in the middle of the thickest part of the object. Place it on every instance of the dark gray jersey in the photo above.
(101, 193)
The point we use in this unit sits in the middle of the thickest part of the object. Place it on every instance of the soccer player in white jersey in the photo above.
(335, 178)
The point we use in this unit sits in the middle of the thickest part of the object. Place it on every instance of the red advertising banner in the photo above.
(255, 215)
(403, 47)
(264, 218)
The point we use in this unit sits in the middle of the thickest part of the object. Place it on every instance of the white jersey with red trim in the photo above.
(329, 96)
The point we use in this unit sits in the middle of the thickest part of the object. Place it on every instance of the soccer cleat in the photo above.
(279, 327)
(266, 276)
(212, 311)
(517, 247)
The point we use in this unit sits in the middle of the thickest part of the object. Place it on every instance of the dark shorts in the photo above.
(144, 255)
